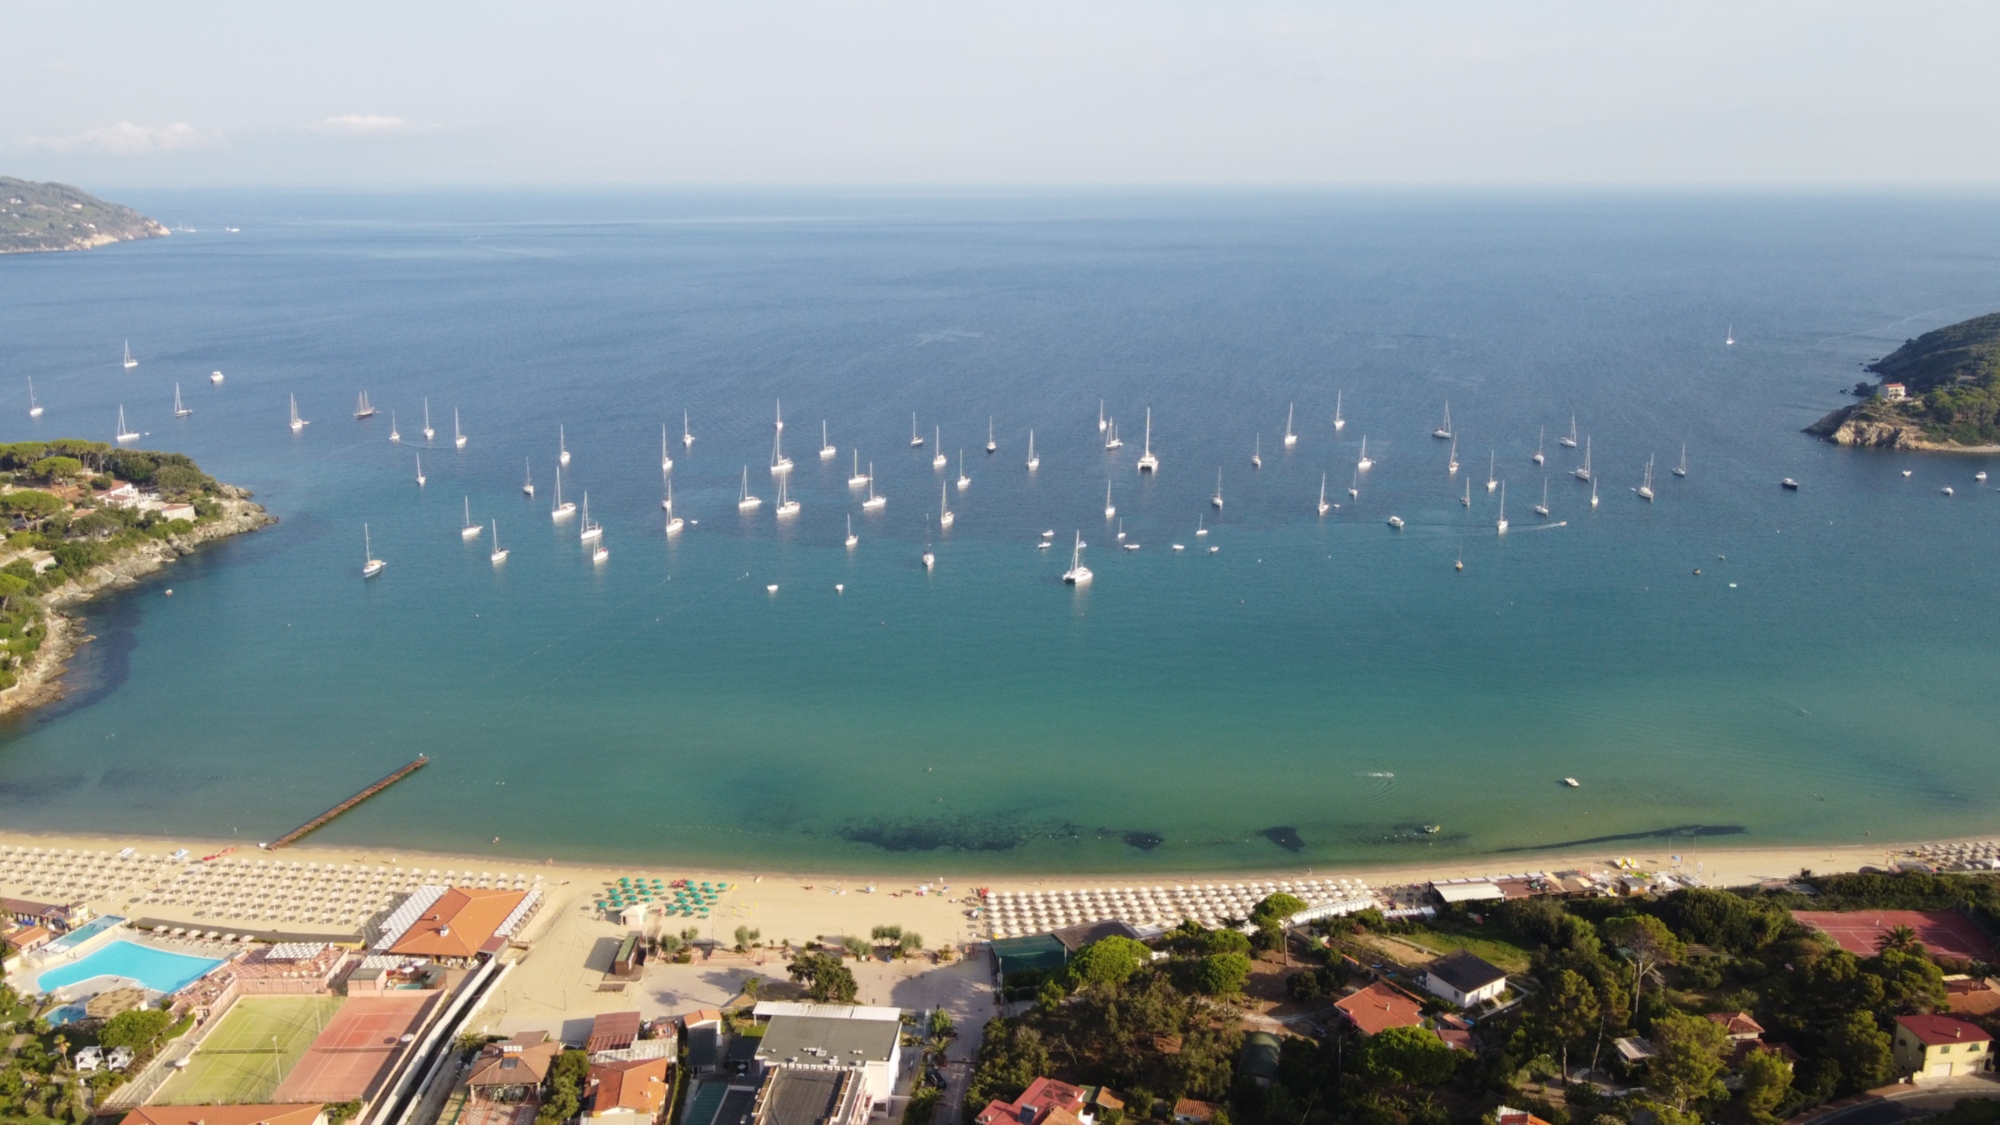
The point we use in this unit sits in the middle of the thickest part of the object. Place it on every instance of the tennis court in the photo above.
(1943, 932)
(251, 1050)
(352, 1057)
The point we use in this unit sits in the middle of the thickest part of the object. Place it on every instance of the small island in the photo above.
(1940, 391)
(36, 217)
(83, 516)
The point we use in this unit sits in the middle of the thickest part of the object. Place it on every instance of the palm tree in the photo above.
(1902, 939)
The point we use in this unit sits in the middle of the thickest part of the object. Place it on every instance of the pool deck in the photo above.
(154, 959)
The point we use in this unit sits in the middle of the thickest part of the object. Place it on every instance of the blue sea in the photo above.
(1289, 690)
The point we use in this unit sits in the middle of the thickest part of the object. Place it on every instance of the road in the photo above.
(1929, 1099)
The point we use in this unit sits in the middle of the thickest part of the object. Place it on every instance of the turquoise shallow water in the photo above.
(1312, 693)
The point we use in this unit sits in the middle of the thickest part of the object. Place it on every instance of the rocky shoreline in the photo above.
(1842, 428)
(41, 680)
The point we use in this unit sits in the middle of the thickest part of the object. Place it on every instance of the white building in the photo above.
(871, 1045)
(1464, 979)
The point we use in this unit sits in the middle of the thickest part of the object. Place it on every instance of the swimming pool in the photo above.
(154, 969)
(75, 939)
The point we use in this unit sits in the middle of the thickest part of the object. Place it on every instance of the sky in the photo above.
(1025, 92)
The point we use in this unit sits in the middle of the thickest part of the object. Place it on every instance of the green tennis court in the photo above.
(251, 1050)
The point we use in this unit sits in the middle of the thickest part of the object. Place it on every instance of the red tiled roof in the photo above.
(1738, 1024)
(613, 1031)
(223, 1115)
(639, 1086)
(1044, 1100)
(1379, 1007)
(458, 923)
(1193, 1110)
(1935, 1031)
(1507, 1116)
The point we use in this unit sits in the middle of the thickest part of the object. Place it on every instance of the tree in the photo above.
(1910, 981)
(1221, 974)
(565, 1095)
(31, 504)
(1767, 1081)
(1862, 1050)
(1688, 1067)
(1276, 908)
(1011, 1056)
(1408, 1056)
(1902, 939)
(1109, 961)
(1567, 1011)
(55, 469)
(909, 943)
(137, 1029)
(826, 980)
(1225, 941)
(1650, 945)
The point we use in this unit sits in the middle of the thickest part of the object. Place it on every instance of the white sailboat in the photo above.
(1147, 462)
(125, 433)
(1542, 509)
(1110, 509)
(1113, 441)
(370, 565)
(1291, 437)
(395, 435)
(874, 503)
(34, 408)
(528, 481)
(420, 470)
(945, 515)
(180, 410)
(1034, 462)
(1323, 505)
(457, 435)
(916, 439)
(964, 482)
(786, 505)
(130, 363)
(1681, 469)
(666, 459)
(991, 445)
(1570, 441)
(1466, 500)
(1593, 494)
(1728, 338)
(1444, 431)
(1339, 423)
(1364, 464)
(298, 423)
(470, 530)
(1582, 472)
(499, 554)
(1217, 498)
(1121, 531)
(1200, 527)
(780, 464)
(852, 538)
(674, 522)
(939, 461)
(589, 530)
(1501, 523)
(599, 553)
(429, 433)
(362, 407)
(1257, 452)
(1354, 486)
(857, 480)
(1101, 423)
(562, 442)
(826, 450)
(687, 435)
(1077, 574)
(744, 501)
(1646, 489)
(1451, 464)
(1541, 436)
(1492, 462)
(562, 509)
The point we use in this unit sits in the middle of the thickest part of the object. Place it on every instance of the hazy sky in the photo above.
(1016, 92)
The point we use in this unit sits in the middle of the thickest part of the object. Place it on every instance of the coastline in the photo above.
(1842, 428)
(41, 681)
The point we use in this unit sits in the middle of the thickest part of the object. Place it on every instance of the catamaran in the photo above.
(298, 423)
(826, 450)
(1681, 469)
(1077, 574)
(499, 554)
(1034, 462)
(964, 482)
(370, 565)
(991, 445)
(1541, 436)
(395, 435)
(589, 530)
(857, 480)
(34, 408)
(786, 505)
(457, 435)
(1582, 472)
(1292, 438)
(470, 530)
(916, 439)
(1364, 464)
(562, 509)
(874, 503)
(945, 515)
(1323, 505)
(429, 433)
(852, 538)
(1147, 462)
(940, 460)
(674, 522)
(1217, 498)
(562, 442)
(528, 482)
(746, 502)
(666, 459)
(1501, 523)
(362, 409)
(1542, 509)
(1492, 461)
(130, 363)
(1444, 431)
(1110, 509)
(1646, 489)
(1570, 441)
(420, 470)
(180, 410)
(1338, 422)
(125, 433)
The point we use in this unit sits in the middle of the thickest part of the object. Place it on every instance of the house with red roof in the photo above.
(1933, 1046)
(1045, 1102)
(1379, 1007)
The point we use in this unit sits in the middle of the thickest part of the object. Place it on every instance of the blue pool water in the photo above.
(154, 969)
(76, 938)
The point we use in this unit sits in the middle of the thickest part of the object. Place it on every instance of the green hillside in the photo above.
(36, 217)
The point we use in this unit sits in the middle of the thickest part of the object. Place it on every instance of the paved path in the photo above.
(1907, 1103)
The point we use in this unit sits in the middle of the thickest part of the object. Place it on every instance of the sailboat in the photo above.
(1444, 431)
(1200, 528)
(746, 502)
(470, 530)
(666, 459)
(130, 363)
(457, 435)
(687, 435)
(180, 411)
(1109, 508)
(1121, 531)
(298, 423)
(499, 554)
(1291, 437)
(599, 553)
(786, 505)
(964, 482)
(1034, 462)
(1542, 509)
(562, 442)
(125, 433)
(1257, 453)
(428, 432)
(35, 408)
(1451, 466)
(362, 408)
(1217, 498)
(589, 530)
(1114, 441)
(1593, 494)
(370, 565)
(1540, 437)
(780, 464)
(1492, 460)
(1570, 441)
(874, 503)
(916, 439)
(1339, 423)
(528, 482)
(1323, 505)
(857, 480)
(395, 435)
(1364, 464)
(1681, 469)
(1354, 486)
(1147, 462)
(940, 460)
(991, 445)
(1501, 523)
(1100, 416)
(420, 470)
(562, 509)
(1728, 339)
(945, 515)
(674, 522)
(852, 538)
(1077, 574)
(930, 559)
(1466, 500)
(826, 450)
(1582, 472)
(1396, 522)
(1646, 489)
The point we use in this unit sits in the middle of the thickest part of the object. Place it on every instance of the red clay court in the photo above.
(350, 1059)
(1944, 933)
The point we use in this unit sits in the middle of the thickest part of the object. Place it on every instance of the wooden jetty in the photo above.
(319, 821)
